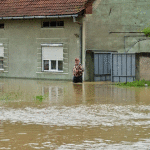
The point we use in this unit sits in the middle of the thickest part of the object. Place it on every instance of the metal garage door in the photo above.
(102, 66)
(123, 67)
(115, 67)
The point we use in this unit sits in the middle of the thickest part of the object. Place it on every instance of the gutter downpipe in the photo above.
(80, 36)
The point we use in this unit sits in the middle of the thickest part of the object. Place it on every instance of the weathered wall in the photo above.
(22, 41)
(116, 16)
(89, 65)
(108, 27)
(141, 46)
(144, 66)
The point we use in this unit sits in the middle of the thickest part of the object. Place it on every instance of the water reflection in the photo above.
(1, 88)
(73, 116)
(67, 93)
(114, 94)
(53, 92)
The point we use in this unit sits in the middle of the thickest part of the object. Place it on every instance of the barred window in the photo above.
(52, 24)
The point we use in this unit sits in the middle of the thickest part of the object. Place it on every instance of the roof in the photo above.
(19, 8)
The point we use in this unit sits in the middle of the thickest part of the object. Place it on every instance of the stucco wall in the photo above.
(22, 41)
(109, 26)
(116, 16)
(144, 66)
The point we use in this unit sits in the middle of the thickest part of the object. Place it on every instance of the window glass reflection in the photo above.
(46, 64)
(53, 64)
(60, 65)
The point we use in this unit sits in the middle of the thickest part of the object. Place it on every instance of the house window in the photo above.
(52, 58)
(52, 24)
(1, 25)
(1, 58)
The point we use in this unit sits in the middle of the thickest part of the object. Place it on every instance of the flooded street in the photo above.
(44, 114)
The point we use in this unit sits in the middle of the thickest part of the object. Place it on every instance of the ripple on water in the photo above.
(5, 140)
(101, 146)
(107, 115)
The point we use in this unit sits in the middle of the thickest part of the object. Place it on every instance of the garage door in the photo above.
(115, 67)
(123, 67)
(102, 66)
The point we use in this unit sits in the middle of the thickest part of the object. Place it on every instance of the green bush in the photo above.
(147, 31)
(135, 83)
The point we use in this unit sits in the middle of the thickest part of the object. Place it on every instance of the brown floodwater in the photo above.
(44, 114)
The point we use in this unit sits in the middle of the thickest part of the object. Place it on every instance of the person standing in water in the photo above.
(77, 71)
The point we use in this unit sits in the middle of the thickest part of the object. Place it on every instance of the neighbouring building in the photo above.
(40, 39)
(115, 48)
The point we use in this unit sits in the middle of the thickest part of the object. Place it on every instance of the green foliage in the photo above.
(39, 98)
(136, 83)
(147, 31)
(11, 96)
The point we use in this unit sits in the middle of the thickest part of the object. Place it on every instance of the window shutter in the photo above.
(52, 53)
(1, 51)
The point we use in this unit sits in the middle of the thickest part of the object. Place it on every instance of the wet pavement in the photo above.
(44, 114)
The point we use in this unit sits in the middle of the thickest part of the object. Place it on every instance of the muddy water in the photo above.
(43, 114)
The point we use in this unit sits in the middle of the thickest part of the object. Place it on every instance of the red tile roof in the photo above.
(19, 8)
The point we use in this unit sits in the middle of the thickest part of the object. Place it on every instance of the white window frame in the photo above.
(51, 70)
(1, 46)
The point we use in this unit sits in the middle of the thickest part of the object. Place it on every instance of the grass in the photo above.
(136, 83)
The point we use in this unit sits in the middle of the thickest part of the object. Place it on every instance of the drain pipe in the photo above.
(80, 36)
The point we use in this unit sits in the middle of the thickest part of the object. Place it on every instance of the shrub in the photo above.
(147, 31)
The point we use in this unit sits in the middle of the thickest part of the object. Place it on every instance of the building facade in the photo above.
(40, 39)
(115, 26)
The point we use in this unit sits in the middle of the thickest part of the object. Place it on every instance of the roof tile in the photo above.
(19, 8)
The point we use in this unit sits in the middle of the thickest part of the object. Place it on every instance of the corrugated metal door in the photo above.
(102, 66)
(123, 67)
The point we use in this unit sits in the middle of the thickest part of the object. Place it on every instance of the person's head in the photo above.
(77, 61)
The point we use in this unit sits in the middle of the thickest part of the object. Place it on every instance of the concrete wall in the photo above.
(22, 41)
(108, 27)
(116, 16)
(89, 65)
(144, 66)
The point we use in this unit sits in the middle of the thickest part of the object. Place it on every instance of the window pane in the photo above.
(60, 23)
(53, 24)
(1, 25)
(1, 62)
(60, 65)
(45, 24)
(53, 64)
(46, 64)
